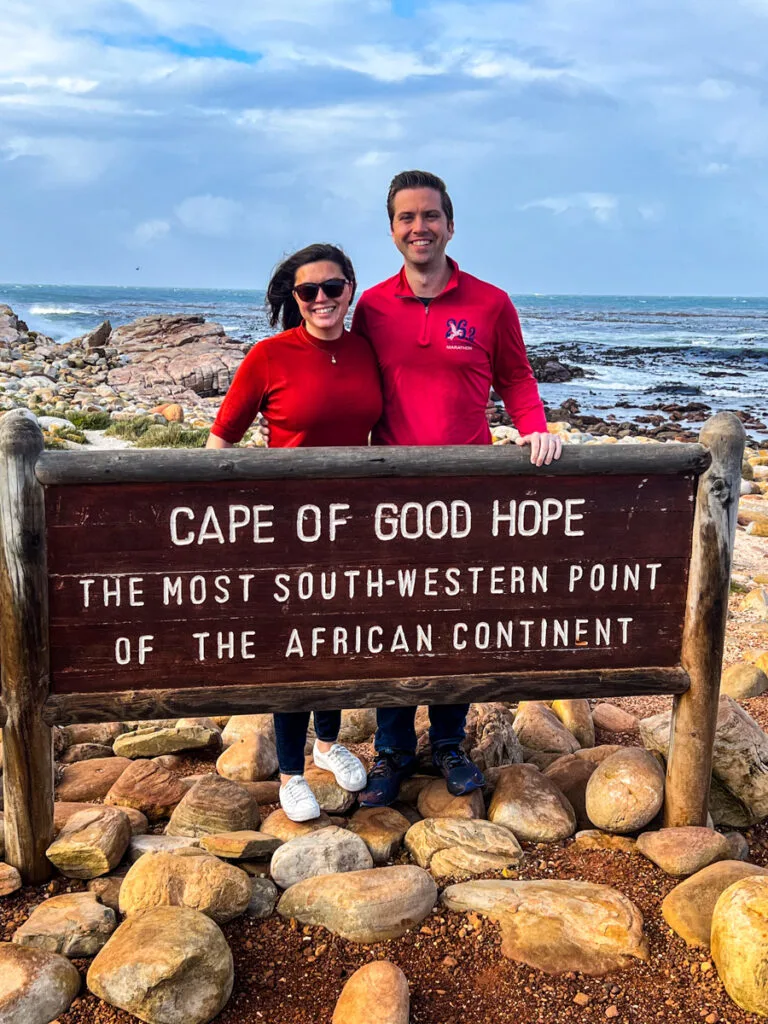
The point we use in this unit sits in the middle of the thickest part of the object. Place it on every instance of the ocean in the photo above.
(638, 352)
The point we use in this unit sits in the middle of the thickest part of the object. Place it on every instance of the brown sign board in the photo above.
(249, 582)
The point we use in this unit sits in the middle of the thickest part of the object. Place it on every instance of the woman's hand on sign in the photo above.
(544, 447)
(262, 429)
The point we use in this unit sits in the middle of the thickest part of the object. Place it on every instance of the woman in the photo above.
(317, 385)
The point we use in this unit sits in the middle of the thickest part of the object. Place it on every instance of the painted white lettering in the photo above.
(318, 638)
(308, 531)
(423, 638)
(406, 579)
(294, 645)
(172, 589)
(225, 646)
(111, 592)
(246, 643)
(571, 516)
(198, 590)
(282, 579)
(86, 585)
(335, 519)
(135, 591)
(201, 638)
(452, 585)
(459, 629)
(122, 650)
(188, 538)
(210, 528)
(399, 642)
(259, 524)
(221, 583)
(624, 627)
(430, 585)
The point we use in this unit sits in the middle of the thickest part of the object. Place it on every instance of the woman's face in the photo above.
(323, 315)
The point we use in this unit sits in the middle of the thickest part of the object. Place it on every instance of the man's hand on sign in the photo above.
(544, 447)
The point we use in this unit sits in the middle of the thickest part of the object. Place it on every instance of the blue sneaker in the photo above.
(461, 775)
(389, 770)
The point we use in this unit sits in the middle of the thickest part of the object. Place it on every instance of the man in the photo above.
(441, 338)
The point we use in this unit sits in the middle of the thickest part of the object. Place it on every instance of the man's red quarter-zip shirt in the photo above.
(438, 361)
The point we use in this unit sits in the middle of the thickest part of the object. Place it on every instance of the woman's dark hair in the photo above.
(283, 308)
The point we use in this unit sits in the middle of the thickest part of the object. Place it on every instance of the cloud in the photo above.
(63, 159)
(150, 231)
(601, 206)
(213, 216)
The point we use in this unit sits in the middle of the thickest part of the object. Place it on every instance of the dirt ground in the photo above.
(289, 974)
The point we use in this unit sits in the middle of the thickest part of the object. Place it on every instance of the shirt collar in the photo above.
(403, 289)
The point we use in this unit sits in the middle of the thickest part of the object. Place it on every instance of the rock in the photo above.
(411, 788)
(743, 680)
(435, 801)
(263, 792)
(264, 896)
(611, 718)
(739, 942)
(279, 825)
(170, 761)
(739, 764)
(577, 719)
(218, 890)
(252, 759)
(10, 880)
(328, 793)
(490, 737)
(152, 742)
(571, 774)
(377, 993)
(36, 986)
(91, 843)
(738, 847)
(363, 906)
(357, 726)
(557, 926)
(107, 890)
(160, 844)
(538, 728)
(688, 908)
(757, 600)
(102, 733)
(214, 805)
(90, 781)
(63, 811)
(241, 726)
(75, 924)
(245, 845)
(531, 806)
(625, 792)
(598, 754)
(328, 851)
(200, 723)
(541, 759)
(85, 752)
(450, 846)
(170, 965)
(685, 850)
(382, 830)
(98, 337)
(173, 413)
(148, 787)
(594, 839)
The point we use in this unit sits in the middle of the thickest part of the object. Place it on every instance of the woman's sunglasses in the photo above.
(333, 289)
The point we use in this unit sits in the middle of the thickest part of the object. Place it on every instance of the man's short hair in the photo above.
(418, 179)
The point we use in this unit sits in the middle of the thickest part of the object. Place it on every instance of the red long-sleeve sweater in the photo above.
(438, 363)
(308, 399)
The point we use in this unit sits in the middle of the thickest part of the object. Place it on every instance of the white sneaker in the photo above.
(298, 801)
(347, 769)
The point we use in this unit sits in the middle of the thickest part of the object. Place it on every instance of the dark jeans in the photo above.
(291, 736)
(396, 732)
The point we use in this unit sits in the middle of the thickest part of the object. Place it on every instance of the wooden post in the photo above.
(694, 717)
(27, 741)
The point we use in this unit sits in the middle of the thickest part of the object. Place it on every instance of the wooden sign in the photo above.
(291, 580)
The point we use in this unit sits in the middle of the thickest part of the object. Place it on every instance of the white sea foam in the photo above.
(40, 310)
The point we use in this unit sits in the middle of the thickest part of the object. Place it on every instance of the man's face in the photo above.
(420, 229)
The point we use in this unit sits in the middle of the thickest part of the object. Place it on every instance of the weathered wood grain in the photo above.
(221, 700)
(27, 740)
(694, 717)
(68, 468)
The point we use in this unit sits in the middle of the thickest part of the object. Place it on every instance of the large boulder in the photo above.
(626, 791)
(169, 965)
(456, 848)
(685, 850)
(557, 926)
(90, 781)
(75, 924)
(241, 726)
(612, 718)
(252, 759)
(218, 890)
(577, 718)
(740, 942)
(531, 806)
(571, 774)
(36, 986)
(148, 787)
(91, 843)
(63, 811)
(689, 907)
(245, 845)
(85, 752)
(375, 994)
(743, 680)
(434, 801)
(279, 825)
(140, 845)
(490, 737)
(363, 906)
(540, 729)
(214, 805)
(739, 763)
(101, 733)
(151, 742)
(382, 830)
(328, 851)
(328, 793)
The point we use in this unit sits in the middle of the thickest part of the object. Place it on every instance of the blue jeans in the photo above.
(396, 729)
(291, 736)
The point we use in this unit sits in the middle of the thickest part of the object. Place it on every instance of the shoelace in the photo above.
(384, 764)
(452, 758)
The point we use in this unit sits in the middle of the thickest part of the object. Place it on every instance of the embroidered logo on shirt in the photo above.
(458, 330)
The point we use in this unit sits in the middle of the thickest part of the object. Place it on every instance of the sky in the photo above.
(589, 146)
